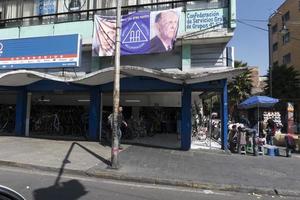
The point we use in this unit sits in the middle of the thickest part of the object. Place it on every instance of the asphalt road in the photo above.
(37, 185)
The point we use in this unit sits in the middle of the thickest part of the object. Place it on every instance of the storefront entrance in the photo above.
(7, 112)
(59, 115)
(206, 120)
(153, 119)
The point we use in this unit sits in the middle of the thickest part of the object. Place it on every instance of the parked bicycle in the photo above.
(7, 118)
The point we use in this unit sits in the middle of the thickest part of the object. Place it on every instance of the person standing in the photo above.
(120, 122)
(233, 139)
(271, 129)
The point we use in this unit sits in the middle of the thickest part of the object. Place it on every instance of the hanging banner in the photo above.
(40, 52)
(45, 7)
(142, 33)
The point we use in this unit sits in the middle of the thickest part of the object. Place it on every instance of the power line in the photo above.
(251, 25)
(254, 20)
(259, 28)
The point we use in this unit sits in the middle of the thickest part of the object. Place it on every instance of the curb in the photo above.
(113, 175)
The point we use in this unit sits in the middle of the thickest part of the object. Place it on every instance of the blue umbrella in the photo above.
(258, 102)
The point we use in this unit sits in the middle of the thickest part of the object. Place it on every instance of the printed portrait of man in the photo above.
(166, 26)
(104, 39)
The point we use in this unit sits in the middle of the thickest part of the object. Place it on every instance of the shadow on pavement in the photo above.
(70, 190)
(66, 159)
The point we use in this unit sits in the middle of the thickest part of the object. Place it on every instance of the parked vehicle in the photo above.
(9, 194)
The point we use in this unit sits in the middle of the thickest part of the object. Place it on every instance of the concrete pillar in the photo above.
(21, 112)
(224, 110)
(28, 110)
(94, 114)
(186, 57)
(186, 117)
(101, 117)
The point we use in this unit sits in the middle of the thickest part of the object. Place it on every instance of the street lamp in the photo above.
(270, 57)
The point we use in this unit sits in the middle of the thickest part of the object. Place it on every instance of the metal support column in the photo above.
(28, 111)
(94, 114)
(186, 117)
(224, 109)
(21, 112)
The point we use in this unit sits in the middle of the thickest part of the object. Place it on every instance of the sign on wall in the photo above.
(74, 5)
(40, 52)
(142, 33)
(206, 19)
(45, 7)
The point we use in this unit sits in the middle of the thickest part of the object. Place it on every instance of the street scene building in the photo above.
(149, 99)
(57, 68)
(284, 43)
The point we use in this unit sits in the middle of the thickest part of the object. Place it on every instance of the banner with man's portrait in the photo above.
(142, 33)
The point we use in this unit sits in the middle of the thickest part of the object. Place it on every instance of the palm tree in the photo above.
(285, 82)
(239, 89)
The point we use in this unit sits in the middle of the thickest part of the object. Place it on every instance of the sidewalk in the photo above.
(200, 169)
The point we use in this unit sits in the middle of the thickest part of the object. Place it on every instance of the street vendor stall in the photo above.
(258, 102)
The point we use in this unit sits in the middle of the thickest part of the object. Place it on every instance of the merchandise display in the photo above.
(276, 116)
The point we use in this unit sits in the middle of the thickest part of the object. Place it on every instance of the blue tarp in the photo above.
(258, 101)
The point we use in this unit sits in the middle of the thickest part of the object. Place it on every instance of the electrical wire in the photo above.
(259, 28)
(254, 20)
(251, 25)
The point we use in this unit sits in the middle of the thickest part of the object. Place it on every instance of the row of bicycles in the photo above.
(7, 118)
(59, 120)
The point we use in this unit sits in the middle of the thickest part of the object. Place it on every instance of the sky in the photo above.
(251, 44)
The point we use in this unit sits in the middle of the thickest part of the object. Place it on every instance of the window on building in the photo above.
(12, 9)
(274, 28)
(207, 4)
(287, 59)
(1, 9)
(275, 46)
(26, 8)
(275, 63)
(286, 17)
(286, 38)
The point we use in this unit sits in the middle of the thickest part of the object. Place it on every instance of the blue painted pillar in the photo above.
(21, 105)
(94, 114)
(186, 117)
(224, 110)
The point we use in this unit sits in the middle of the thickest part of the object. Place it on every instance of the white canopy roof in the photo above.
(25, 77)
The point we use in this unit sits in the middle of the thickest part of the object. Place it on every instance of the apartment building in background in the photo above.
(284, 41)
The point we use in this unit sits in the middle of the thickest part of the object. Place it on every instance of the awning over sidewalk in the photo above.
(26, 77)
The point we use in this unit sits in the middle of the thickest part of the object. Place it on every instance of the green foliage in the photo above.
(285, 82)
(240, 88)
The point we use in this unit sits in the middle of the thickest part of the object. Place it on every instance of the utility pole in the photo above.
(270, 58)
(116, 94)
